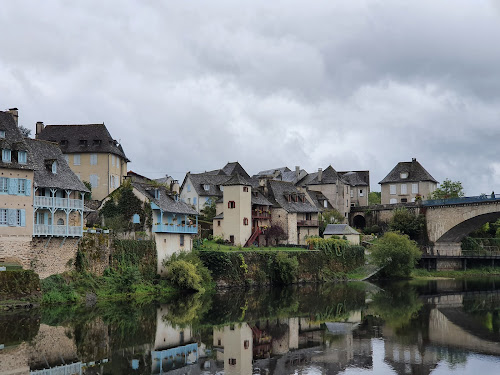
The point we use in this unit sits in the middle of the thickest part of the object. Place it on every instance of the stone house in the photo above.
(91, 153)
(359, 183)
(342, 230)
(405, 182)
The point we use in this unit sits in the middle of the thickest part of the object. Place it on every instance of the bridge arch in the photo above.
(461, 230)
(359, 221)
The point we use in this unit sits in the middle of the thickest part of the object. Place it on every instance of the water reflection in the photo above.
(396, 328)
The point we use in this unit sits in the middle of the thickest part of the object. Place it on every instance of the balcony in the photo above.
(56, 202)
(57, 230)
(307, 223)
(175, 228)
(260, 215)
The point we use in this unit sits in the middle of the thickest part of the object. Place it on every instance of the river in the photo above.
(412, 327)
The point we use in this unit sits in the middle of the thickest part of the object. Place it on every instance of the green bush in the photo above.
(18, 283)
(407, 222)
(184, 275)
(56, 289)
(285, 268)
(396, 253)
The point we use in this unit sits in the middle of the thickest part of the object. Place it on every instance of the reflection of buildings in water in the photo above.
(234, 345)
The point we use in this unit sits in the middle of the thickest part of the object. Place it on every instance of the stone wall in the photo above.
(96, 249)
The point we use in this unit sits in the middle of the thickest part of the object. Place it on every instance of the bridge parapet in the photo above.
(462, 200)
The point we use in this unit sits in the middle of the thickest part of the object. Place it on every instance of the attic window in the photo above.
(157, 193)
(97, 142)
(221, 188)
(22, 157)
(2, 133)
(63, 142)
(255, 194)
(289, 198)
(83, 142)
(54, 167)
(303, 198)
(245, 189)
(296, 198)
(404, 175)
(206, 187)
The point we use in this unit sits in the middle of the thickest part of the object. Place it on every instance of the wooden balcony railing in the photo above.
(307, 223)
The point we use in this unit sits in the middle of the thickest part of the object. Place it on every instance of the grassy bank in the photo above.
(473, 272)
(211, 245)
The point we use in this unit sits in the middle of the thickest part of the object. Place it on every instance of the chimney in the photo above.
(414, 160)
(39, 128)
(15, 113)
(320, 174)
(297, 172)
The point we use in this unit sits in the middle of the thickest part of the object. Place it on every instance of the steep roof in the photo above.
(329, 176)
(69, 137)
(235, 168)
(214, 181)
(44, 153)
(270, 172)
(356, 178)
(236, 179)
(414, 170)
(166, 202)
(339, 230)
(278, 192)
(317, 197)
(259, 199)
(13, 141)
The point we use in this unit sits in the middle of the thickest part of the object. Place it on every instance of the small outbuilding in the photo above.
(342, 230)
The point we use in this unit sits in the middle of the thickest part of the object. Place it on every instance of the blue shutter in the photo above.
(28, 187)
(46, 218)
(136, 219)
(12, 186)
(11, 216)
(23, 218)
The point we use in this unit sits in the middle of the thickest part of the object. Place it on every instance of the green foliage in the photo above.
(329, 217)
(397, 253)
(18, 283)
(285, 269)
(448, 189)
(132, 253)
(88, 185)
(187, 271)
(375, 229)
(57, 289)
(407, 222)
(209, 210)
(374, 198)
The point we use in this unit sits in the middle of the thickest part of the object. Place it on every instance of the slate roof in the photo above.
(69, 136)
(291, 176)
(235, 168)
(166, 202)
(219, 216)
(318, 197)
(356, 178)
(339, 230)
(415, 173)
(44, 153)
(329, 176)
(213, 180)
(236, 179)
(13, 141)
(306, 180)
(259, 199)
(277, 195)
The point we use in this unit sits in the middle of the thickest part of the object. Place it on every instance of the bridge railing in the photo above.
(462, 200)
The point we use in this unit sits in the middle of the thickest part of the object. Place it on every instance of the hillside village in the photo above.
(45, 179)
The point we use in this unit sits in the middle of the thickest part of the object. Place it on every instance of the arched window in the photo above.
(60, 222)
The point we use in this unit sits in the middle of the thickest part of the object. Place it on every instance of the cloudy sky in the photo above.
(191, 85)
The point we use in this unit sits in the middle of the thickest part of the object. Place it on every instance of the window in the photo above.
(414, 188)
(181, 238)
(231, 204)
(404, 200)
(136, 219)
(206, 187)
(218, 223)
(76, 159)
(54, 167)
(4, 185)
(246, 344)
(188, 187)
(97, 142)
(18, 218)
(393, 201)
(3, 216)
(60, 222)
(325, 203)
(194, 201)
(219, 342)
(403, 189)
(393, 189)
(83, 142)
(6, 156)
(157, 193)
(66, 157)
(21, 186)
(352, 193)
(22, 157)
(113, 160)
(232, 361)
(221, 188)
(64, 142)
(245, 189)
(94, 180)
(361, 194)
(12, 218)
(2, 133)
(189, 200)
(93, 159)
(245, 221)
(404, 175)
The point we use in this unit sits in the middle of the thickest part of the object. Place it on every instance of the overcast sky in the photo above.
(191, 85)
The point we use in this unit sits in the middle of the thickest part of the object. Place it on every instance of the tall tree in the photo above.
(374, 197)
(448, 189)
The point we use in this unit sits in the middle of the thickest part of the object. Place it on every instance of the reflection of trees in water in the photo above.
(187, 310)
(454, 358)
(18, 327)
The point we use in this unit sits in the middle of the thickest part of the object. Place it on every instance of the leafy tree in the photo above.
(374, 197)
(407, 222)
(397, 253)
(329, 217)
(88, 185)
(25, 131)
(448, 189)
(209, 209)
(275, 233)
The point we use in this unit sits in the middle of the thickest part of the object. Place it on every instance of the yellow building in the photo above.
(91, 153)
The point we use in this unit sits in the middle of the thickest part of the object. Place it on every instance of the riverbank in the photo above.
(422, 274)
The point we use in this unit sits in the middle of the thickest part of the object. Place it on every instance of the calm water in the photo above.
(438, 327)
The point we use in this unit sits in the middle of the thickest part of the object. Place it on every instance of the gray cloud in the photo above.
(192, 85)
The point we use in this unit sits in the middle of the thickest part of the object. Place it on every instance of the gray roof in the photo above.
(270, 172)
(13, 141)
(219, 216)
(318, 198)
(415, 173)
(356, 178)
(236, 179)
(214, 181)
(278, 192)
(44, 153)
(166, 202)
(235, 168)
(329, 176)
(339, 230)
(306, 180)
(97, 137)
(259, 199)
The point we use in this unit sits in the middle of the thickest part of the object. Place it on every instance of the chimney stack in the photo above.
(15, 113)
(414, 159)
(39, 128)
(320, 174)
(297, 172)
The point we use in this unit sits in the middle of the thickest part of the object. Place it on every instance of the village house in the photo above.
(91, 153)
(342, 230)
(405, 182)
(359, 183)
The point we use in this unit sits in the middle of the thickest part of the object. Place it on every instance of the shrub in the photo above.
(285, 268)
(184, 275)
(397, 253)
(407, 222)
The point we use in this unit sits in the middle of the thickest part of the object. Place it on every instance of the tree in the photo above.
(407, 222)
(276, 233)
(25, 131)
(209, 210)
(396, 253)
(329, 217)
(448, 189)
(374, 197)
(88, 185)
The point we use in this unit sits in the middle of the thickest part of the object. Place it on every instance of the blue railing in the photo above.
(462, 200)
(175, 228)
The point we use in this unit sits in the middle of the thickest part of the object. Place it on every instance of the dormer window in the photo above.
(6, 156)
(404, 175)
(54, 167)
(157, 193)
(97, 142)
(83, 142)
(22, 157)
(221, 188)
(289, 198)
(296, 198)
(2, 133)
(206, 187)
(303, 198)
(64, 142)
